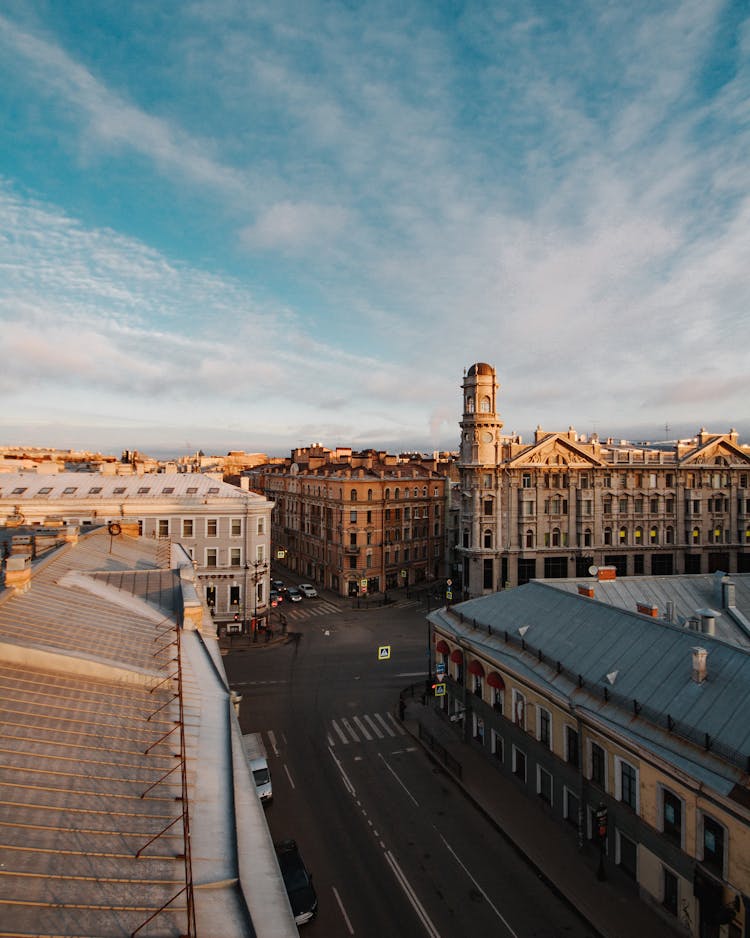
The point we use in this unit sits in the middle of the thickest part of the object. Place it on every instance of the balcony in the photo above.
(351, 551)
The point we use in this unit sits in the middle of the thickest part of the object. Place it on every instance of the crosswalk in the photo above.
(298, 612)
(364, 728)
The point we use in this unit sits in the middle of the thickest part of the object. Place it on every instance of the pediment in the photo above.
(719, 451)
(556, 451)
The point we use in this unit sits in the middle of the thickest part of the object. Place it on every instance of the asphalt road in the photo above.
(394, 846)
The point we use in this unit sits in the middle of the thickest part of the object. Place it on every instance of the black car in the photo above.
(298, 882)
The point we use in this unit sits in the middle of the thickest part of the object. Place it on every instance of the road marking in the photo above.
(350, 729)
(343, 910)
(399, 728)
(375, 728)
(340, 732)
(411, 674)
(344, 776)
(487, 898)
(385, 726)
(362, 728)
(411, 895)
(398, 780)
(272, 740)
(288, 775)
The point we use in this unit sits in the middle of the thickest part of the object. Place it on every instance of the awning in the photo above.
(494, 680)
(442, 647)
(476, 668)
(457, 655)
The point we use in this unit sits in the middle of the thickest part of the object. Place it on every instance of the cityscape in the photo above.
(374, 469)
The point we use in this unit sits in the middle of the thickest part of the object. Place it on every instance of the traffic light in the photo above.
(236, 617)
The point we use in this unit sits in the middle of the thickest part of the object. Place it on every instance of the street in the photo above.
(394, 846)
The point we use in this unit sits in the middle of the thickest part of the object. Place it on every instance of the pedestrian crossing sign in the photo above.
(439, 690)
(384, 652)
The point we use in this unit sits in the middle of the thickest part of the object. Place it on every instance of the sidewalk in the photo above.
(612, 907)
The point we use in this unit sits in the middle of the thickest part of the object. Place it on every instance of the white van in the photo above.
(256, 757)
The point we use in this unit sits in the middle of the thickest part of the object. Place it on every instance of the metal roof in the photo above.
(577, 647)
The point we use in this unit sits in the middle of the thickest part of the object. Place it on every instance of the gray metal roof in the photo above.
(688, 594)
(573, 643)
(20, 487)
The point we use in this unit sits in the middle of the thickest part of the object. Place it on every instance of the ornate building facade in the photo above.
(563, 504)
(358, 523)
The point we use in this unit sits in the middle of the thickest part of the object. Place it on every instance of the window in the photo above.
(144, 490)
(713, 845)
(19, 490)
(544, 784)
(570, 807)
(119, 490)
(626, 783)
(497, 746)
(487, 574)
(191, 490)
(627, 855)
(211, 557)
(260, 553)
(163, 527)
(95, 490)
(69, 490)
(529, 538)
(352, 517)
(519, 763)
(168, 490)
(622, 506)
(261, 530)
(236, 527)
(187, 527)
(544, 727)
(234, 595)
(671, 816)
(353, 539)
(598, 765)
(571, 745)
(213, 490)
(519, 709)
(353, 495)
(212, 527)
(44, 491)
(488, 538)
(487, 509)
(526, 480)
(211, 596)
(670, 890)
(235, 557)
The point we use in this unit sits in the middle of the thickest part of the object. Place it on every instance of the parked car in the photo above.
(298, 882)
(308, 590)
(292, 594)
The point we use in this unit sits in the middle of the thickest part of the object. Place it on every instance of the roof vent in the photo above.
(700, 669)
(708, 620)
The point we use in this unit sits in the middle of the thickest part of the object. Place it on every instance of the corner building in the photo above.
(564, 503)
(359, 523)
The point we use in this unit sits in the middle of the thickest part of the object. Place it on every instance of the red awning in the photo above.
(494, 680)
(442, 647)
(476, 668)
(457, 655)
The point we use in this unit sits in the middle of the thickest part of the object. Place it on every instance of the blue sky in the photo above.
(249, 225)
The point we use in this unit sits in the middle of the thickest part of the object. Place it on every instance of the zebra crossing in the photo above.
(298, 612)
(364, 728)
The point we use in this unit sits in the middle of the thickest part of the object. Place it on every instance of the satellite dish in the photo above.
(593, 570)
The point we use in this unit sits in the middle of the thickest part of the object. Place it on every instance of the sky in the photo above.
(241, 224)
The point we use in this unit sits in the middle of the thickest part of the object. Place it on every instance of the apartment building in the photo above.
(359, 523)
(626, 728)
(563, 504)
(224, 529)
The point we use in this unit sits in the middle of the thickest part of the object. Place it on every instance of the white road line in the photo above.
(398, 780)
(339, 732)
(411, 896)
(375, 728)
(411, 674)
(362, 728)
(487, 898)
(385, 726)
(350, 729)
(343, 910)
(288, 775)
(399, 727)
(344, 776)
(329, 739)
(272, 740)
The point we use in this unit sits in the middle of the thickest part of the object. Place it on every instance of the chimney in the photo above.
(699, 664)
(669, 615)
(648, 609)
(584, 589)
(727, 594)
(18, 572)
(606, 573)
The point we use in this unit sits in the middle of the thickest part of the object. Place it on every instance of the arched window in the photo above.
(587, 537)
(653, 536)
(484, 405)
(416, 492)
(555, 537)
(639, 535)
(696, 536)
(529, 538)
(488, 538)
(424, 491)
(397, 494)
(387, 493)
(623, 535)
(608, 535)
(353, 495)
(669, 535)
(369, 495)
(469, 405)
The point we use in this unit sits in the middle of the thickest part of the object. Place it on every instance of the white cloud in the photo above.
(290, 226)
